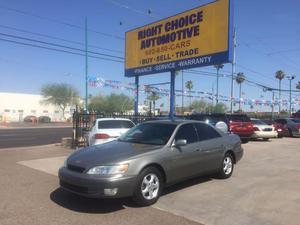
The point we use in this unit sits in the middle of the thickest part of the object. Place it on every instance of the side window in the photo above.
(187, 132)
(206, 132)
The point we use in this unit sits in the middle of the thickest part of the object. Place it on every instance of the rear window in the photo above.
(238, 118)
(115, 124)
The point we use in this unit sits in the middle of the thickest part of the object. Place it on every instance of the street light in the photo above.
(290, 78)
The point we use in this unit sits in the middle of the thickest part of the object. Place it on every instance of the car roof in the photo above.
(176, 122)
(105, 119)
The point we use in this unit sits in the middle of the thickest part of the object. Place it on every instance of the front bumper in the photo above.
(93, 186)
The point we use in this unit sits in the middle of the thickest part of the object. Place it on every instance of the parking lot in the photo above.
(264, 189)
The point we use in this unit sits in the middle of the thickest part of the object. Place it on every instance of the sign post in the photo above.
(195, 38)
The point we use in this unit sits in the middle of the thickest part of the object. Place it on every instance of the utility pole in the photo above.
(273, 99)
(290, 78)
(182, 97)
(86, 65)
(233, 71)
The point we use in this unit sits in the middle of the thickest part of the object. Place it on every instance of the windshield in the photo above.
(115, 124)
(149, 133)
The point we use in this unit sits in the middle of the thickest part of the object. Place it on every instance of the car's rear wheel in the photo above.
(227, 166)
(149, 187)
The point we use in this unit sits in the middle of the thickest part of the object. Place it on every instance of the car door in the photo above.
(211, 146)
(183, 161)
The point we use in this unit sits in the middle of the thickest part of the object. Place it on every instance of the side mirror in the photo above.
(222, 126)
(180, 142)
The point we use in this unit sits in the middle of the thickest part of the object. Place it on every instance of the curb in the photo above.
(31, 147)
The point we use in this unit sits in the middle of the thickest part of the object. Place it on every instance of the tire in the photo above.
(149, 181)
(227, 166)
(291, 133)
(265, 139)
(245, 141)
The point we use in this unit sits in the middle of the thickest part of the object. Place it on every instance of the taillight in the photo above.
(102, 136)
(255, 129)
(298, 126)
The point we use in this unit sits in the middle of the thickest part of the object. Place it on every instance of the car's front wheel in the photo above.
(149, 187)
(227, 166)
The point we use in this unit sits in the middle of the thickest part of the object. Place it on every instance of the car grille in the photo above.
(77, 169)
(74, 188)
(267, 129)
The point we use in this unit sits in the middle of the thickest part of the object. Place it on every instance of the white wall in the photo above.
(16, 106)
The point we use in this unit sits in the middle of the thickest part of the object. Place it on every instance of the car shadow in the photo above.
(188, 183)
(86, 205)
(103, 206)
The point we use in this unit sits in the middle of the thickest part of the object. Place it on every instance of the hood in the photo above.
(108, 153)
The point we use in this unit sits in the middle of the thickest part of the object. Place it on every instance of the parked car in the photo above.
(108, 129)
(263, 130)
(239, 124)
(282, 130)
(297, 114)
(44, 119)
(31, 119)
(292, 124)
(150, 156)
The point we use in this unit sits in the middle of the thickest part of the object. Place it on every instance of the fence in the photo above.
(82, 123)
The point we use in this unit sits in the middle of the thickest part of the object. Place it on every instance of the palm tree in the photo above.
(153, 97)
(189, 85)
(218, 67)
(240, 78)
(279, 75)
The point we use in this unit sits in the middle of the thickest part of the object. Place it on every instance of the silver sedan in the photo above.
(148, 158)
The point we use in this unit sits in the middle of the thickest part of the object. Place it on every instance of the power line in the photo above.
(57, 38)
(59, 22)
(121, 5)
(58, 45)
(57, 50)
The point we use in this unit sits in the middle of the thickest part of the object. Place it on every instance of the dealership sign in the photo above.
(195, 38)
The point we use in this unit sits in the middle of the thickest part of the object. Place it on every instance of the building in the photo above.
(15, 107)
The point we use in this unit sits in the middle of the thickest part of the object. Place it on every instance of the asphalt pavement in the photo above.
(32, 197)
(22, 137)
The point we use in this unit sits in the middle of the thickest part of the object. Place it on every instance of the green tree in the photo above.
(240, 78)
(280, 76)
(60, 94)
(219, 108)
(200, 106)
(153, 97)
(189, 85)
(113, 103)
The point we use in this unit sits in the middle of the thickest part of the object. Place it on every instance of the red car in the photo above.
(239, 124)
(280, 128)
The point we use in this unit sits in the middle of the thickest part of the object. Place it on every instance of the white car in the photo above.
(108, 129)
(263, 130)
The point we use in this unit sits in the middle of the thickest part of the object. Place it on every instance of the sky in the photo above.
(268, 37)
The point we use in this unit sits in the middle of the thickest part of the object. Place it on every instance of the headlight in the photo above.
(108, 170)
